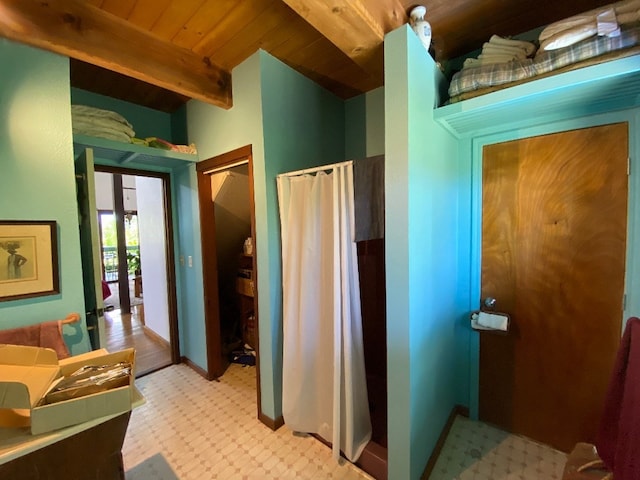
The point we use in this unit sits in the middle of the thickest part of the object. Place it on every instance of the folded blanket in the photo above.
(82, 123)
(569, 36)
(493, 75)
(86, 111)
(579, 22)
(107, 133)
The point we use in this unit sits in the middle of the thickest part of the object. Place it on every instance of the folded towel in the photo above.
(528, 47)
(488, 48)
(487, 59)
(490, 60)
(46, 335)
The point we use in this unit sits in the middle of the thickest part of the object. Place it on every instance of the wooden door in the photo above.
(554, 216)
(89, 246)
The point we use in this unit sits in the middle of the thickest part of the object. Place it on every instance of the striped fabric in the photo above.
(474, 78)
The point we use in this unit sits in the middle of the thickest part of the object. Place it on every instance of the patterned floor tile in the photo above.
(193, 429)
(476, 451)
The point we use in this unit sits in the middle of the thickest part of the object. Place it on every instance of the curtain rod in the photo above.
(315, 169)
(226, 167)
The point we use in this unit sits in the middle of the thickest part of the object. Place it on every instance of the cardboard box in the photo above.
(26, 373)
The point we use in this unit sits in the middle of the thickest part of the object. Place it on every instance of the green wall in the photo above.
(422, 186)
(37, 179)
(303, 127)
(291, 123)
(364, 125)
(214, 131)
(375, 117)
(355, 111)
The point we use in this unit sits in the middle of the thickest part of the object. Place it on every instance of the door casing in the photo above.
(215, 366)
(174, 335)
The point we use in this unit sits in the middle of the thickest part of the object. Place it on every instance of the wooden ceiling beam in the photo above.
(79, 30)
(354, 26)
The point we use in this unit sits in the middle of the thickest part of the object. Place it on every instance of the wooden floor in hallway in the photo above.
(128, 331)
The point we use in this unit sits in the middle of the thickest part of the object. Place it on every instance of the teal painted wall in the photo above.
(422, 188)
(214, 131)
(374, 104)
(303, 127)
(364, 125)
(146, 122)
(291, 123)
(355, 111)
(37, 179)
(190, 297)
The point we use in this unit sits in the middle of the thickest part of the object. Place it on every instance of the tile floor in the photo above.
(476, 451)
(193, 429)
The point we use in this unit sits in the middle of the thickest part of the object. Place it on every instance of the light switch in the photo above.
(190, 259)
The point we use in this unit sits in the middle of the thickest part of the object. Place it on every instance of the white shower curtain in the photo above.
(324, 380)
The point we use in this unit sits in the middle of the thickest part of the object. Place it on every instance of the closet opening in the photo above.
(227, 219)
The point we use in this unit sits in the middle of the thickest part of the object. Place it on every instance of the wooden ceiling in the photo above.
(160, 53)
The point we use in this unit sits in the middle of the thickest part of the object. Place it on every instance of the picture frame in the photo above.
(28, 259)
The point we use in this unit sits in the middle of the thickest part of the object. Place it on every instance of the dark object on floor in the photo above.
(244, 356)
(583, 463)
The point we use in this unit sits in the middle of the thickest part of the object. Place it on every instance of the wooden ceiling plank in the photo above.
(203, 21)
(146, 13)
(355, 28)
(174, 17)
(81, 31)
(119, 8)
(235, 21)
(247, 40)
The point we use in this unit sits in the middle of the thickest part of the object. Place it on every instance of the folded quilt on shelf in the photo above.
(471, 79)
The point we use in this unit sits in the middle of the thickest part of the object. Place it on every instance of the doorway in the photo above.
(227, 219)
(135, 244)
(554, 217)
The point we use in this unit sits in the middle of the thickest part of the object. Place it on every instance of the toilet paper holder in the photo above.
(490, 321)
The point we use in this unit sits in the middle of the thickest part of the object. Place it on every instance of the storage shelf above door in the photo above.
(596, 89)
(126, 153)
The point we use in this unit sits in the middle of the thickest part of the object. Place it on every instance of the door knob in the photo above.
(489, 302)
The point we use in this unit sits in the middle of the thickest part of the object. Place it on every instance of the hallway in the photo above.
(128, 331)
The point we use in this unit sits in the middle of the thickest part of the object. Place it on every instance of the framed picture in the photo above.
(28, 259)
